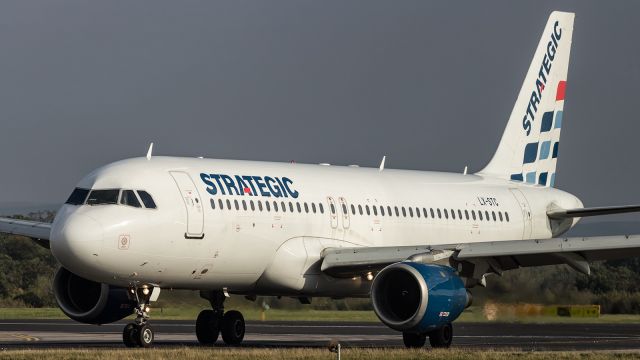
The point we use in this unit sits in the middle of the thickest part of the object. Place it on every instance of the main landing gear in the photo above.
(139, 333)
(211, 323)
(440, 338)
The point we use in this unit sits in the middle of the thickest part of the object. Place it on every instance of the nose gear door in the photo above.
(192, 203)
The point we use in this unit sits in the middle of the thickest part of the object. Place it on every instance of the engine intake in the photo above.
(414, 297)
(90, 302)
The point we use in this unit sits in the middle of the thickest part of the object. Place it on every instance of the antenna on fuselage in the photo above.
(465, 170)
(382, 163)
(150, 151)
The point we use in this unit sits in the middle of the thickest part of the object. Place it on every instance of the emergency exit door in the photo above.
(192, 203)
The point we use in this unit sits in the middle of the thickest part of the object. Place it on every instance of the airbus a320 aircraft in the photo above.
(415, 242)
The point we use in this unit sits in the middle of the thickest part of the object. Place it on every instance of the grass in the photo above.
(300, 353)
(191, 312)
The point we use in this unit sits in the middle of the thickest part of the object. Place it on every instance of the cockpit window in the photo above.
(78, 196)
(128, 197)
(147, 200)
(100, 197)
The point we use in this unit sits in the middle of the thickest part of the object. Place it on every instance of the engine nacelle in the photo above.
(90, 302)
(414, 297)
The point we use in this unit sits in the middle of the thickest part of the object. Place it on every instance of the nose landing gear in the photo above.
(211, 323)
(139, 333)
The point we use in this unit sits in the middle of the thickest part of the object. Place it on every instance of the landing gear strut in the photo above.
(139, 333)
(211, 323)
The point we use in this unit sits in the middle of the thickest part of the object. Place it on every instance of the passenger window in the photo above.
(466, 214)
(366, 207)
(433, 215)
(381, 210)
(103, 197)
(220, 204)
(375, 210)
(147, 200)
(389, 211)
(283, 206)
(453, 214)
(397, 212)
(446, 214)
(344, 209)
(306, 208)
(473, 215)
(267, 205)
(506, 216)
(404, 212)
(77, 197)
(290, 206)
(424, 213)
(486, 214)
(300, 209)
(228, 204)
(360, 209)
(459, 214)
(235, 202)
(439, 214)
(480, 215)
(213, 204)
(417, 212)
(313, 207)
(353, 209)
(493, 214)
(321, 208)
(244, 205)
(275, 206)
(500, 215)
(128, 197)
(253, 206)
(411, 212)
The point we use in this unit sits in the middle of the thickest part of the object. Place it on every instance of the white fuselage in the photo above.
(187, 243)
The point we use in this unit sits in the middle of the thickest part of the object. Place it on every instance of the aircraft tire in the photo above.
(129, 335)
(207, 327)
(413, 340)
(145, 336)
(233, 327)
(442, 337)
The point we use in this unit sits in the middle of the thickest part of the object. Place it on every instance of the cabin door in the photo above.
(192, 203)
(526, 212)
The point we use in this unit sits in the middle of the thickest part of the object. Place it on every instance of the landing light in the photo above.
(145, 291)
(369, 276)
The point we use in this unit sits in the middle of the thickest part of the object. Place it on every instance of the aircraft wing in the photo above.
(38, 231)
(593, 211)
(485, 257)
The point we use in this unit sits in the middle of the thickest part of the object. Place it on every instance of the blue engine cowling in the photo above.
(88, 301)
(414, 297)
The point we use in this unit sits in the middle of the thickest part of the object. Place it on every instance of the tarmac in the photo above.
(485, 335)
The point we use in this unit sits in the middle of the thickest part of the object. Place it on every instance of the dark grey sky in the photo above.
(429, 84)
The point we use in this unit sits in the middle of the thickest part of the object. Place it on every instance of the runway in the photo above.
(584, 337)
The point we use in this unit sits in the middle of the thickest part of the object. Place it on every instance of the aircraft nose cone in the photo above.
(75, 242)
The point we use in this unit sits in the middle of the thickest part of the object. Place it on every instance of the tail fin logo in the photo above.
(541, 80)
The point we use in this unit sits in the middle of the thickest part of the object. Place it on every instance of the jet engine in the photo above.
(90, 302)
(418, 298)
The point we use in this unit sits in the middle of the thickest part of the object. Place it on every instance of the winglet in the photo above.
(150, 151)
(382, 163)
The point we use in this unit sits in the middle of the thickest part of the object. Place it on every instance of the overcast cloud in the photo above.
(429, 84)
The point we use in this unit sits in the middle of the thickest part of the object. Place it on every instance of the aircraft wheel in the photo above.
(233, 327)
(145, 336)
(442, 337)
(207, 327)
(413, 340)
(129, 335)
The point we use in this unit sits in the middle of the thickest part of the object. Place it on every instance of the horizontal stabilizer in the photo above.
(594, 211)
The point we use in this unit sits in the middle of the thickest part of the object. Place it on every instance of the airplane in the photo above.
(415, 242)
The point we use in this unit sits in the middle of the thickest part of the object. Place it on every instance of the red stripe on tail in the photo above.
(562, 85)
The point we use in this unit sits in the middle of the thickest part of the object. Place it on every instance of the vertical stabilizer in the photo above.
(528, 150)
